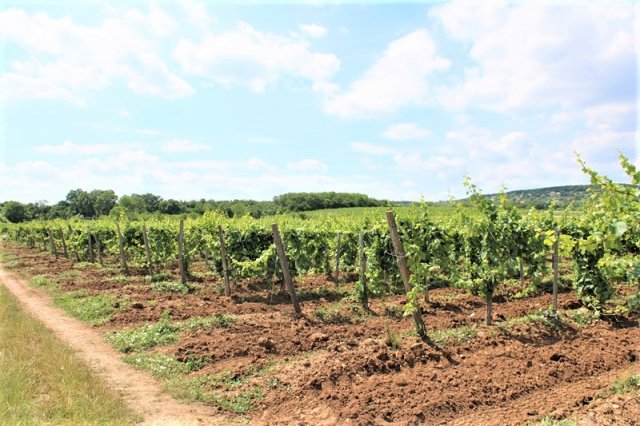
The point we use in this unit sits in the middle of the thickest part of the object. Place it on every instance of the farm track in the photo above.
(344, 373)
(140, 391)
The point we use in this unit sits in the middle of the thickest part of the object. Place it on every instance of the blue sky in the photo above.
(217, 100)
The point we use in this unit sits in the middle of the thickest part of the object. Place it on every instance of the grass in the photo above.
(171, 287)
(582, 316)
(95, 310)
(463, 334)
(163, 332)
(550, 421)
(630, 384)
(158, 277)
(42, 380)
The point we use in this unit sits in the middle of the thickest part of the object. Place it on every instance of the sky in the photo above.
(221, 100)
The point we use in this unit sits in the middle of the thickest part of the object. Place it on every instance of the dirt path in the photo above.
(143, 393)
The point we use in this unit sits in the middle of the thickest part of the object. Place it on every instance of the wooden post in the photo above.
(426, 290)
(205, 252)
(554, 300)
(404, 271)
(99, 250)
(75, 252)
(147, 250)
(363, 272)
(90, 246)
(521, 271)
(64, 244)
(288, 281)
(489, 297)
(338, 259)
(183, 272)
(52, 243)
(123, 258)
(225, 265)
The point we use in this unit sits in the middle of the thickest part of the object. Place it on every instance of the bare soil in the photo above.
(338, 364)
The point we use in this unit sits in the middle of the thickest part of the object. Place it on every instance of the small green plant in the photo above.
(83, 265)
(630, 384)
(95, 310)
(393, 311)
(582, 316)
(207, 323)
(164, 366)
(42, 281)
(148, 336)
(332, 314)
(392, 340)
(550, 421)
(67, 275)
(463, 334)
(159, 276)
(119, 279)
(171, 287)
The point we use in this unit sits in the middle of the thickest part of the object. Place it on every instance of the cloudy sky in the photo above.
(217, 100)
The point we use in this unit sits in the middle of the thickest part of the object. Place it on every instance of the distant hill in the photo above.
(540, 198)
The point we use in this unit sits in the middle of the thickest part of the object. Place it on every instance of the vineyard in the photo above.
(404, 316)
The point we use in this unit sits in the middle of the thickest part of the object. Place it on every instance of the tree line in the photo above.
(96, 203)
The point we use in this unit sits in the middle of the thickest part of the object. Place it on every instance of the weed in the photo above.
(119, 278)
(582, 316)
(164, 366)
(630, 384)
(171, 287)
(67, 275)
(550, 421)
(463, 334)
(83, 265)
(95, 310)
(145, 337)
(332, 314)
(41, 281)
(207, 323)
(393, 311)
(158, 277)
(392, 340)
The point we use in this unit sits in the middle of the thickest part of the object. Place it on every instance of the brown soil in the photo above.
(340, 365)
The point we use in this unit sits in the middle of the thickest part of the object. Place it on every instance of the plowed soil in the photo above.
(339, 364)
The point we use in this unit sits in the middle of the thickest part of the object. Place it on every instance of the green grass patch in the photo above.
(68, 275)
(146, 337)
(448, 336)
(163, 332)
(630, 384)
(332, 314)
(550, 421)
(582, 316)
(171, 287)
(539, 317)
(164, 366)
(42, 281)
(42, 381)
(159, 277)
(96, 310)
(224, 390)
(85, 265)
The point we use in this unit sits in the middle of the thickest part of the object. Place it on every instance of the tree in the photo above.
(15, 211)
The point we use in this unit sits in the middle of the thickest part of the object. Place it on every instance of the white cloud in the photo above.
(314, 30)
(65, 60)
(124, 113)
(307, 165)
(405, 131)
(397, 79)
(184, 145)
(196, 14)
(370, 149)
(538, 53)
(71, 148)
(247, 57)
